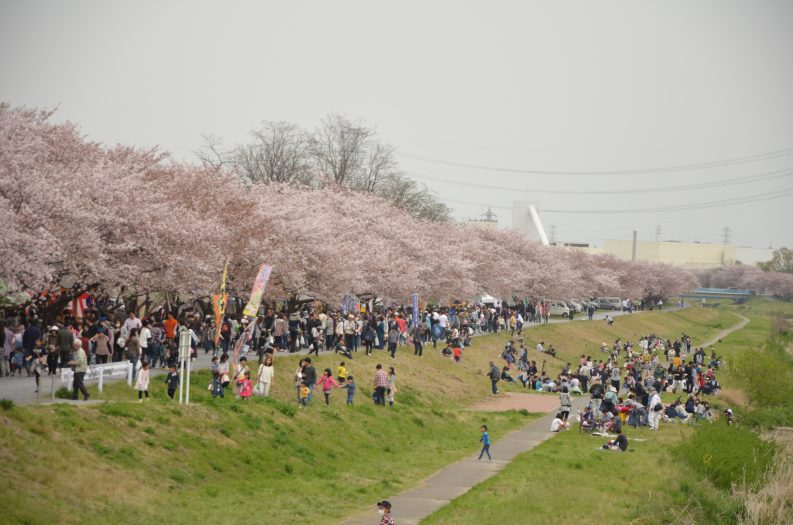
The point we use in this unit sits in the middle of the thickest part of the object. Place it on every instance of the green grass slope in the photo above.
(267, 461)
(569, 478)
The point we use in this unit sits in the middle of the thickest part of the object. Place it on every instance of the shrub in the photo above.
(63, 393)
(766, 375)
(6, 404)
(728, 455)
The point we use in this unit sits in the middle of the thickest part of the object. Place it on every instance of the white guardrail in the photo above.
(100, 373)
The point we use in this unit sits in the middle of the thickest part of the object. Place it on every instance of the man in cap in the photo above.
(384, 508)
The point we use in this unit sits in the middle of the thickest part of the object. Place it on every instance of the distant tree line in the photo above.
(339, 152)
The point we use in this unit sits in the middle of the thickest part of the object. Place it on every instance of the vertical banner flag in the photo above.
(252, 308)
(415, 309)
(219, 301)
(348, 304)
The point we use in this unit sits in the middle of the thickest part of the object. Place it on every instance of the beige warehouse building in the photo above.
(688, 254)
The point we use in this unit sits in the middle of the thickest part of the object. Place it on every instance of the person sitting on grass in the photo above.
(559, 423)
(620, 444)
(505, 375)
(588, 418)
(341, 349)
(703, 411)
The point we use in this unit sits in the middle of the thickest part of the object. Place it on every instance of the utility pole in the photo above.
(633, 256)
(553, 234)
(726, 239)
(658, 233)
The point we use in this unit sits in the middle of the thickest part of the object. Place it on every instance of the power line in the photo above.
(776, 174)
(681, 207)
(682, 167)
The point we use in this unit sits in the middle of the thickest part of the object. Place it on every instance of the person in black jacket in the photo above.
(495, 376)
(309, 377)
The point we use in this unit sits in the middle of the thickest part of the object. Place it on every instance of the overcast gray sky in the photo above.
(536, 86)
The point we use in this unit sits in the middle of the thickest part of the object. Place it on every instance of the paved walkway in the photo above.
(451, 482)
(724, 333)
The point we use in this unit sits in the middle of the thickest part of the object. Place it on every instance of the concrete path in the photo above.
(451, 482)
(724, 333)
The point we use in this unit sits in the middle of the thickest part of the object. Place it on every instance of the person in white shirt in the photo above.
(559, 424)
(654, 415)
(132, 322)
(443, 322)
(145, 335)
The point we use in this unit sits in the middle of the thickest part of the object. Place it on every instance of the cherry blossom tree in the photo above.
(78, 215)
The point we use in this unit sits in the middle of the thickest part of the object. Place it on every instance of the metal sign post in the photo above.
(184, 354)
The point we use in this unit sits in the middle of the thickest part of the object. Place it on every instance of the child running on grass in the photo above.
(328, 383)
(245, 386)
(485, 440)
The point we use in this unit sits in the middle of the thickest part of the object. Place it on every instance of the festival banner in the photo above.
(219, 302)
(252, 308)
(219, 306)
(415, 297)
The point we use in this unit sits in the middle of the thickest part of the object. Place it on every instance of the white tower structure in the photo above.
(526, 219)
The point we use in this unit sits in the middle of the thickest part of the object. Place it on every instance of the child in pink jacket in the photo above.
(327, 383)
(245, 386)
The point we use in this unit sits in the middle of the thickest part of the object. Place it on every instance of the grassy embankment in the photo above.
(676, 475)
(127, 463)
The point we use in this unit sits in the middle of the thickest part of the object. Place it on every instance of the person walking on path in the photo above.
(384, 508)
(566, 403)
(485, 440)
(495, 376)
(393, 341)
(79, 363)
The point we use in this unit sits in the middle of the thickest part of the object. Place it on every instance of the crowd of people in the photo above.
(625, 384)
(106, 332)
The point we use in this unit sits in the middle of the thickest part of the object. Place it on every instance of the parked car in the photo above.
(560, 308)
(587, 302)
(610, 303)
(575, 305)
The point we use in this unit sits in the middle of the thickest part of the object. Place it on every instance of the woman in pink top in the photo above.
(327, 383)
